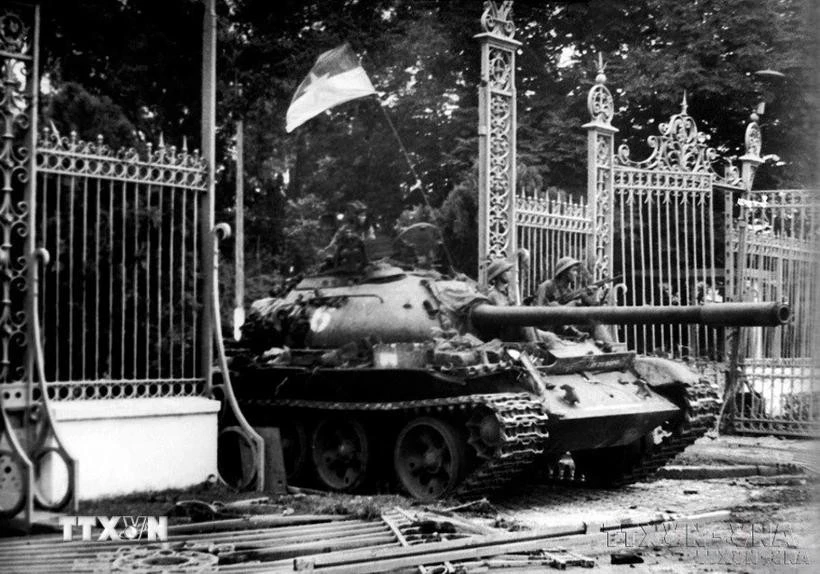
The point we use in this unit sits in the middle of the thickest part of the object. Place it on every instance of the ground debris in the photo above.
(626, 557)
(480, 506)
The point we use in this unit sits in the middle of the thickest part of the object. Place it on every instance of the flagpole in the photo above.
(415, 174)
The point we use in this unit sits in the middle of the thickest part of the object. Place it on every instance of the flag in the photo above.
(336, 77)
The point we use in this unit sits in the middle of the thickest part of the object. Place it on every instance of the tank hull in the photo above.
(605, 411)
(391, 378)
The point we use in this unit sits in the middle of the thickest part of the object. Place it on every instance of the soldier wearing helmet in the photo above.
(552, 291)
(347, 248)
(498, 282)
(558, 291)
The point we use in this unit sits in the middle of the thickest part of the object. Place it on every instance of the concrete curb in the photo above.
(728, 471)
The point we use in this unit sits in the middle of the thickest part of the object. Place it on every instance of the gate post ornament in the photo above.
(497, 139)
(751, 160)
(600, 152)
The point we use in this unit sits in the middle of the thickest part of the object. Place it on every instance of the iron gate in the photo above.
(670, 226)
(29, 440)
(120, 301)
(667, 216)
(780, 392)
(108, 281)
(550, 228)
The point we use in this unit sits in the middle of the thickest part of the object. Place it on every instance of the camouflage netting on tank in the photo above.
(263, 325)
(455, 299)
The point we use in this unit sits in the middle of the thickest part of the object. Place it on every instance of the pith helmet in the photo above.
(496, 268)
(564, 264)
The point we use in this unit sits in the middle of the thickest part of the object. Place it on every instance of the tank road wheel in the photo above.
(341, 453)
(429, 458)
(485, 433)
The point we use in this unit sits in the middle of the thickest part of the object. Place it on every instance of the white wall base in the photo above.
(135, 445)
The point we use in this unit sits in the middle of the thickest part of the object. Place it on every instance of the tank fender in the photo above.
(660, 371)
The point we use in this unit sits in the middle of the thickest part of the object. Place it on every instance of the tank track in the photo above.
(702, 404)
(522, 419)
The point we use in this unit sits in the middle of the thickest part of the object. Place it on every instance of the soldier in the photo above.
(552, 291)
(498, 282)
(559, 291)
(347, 248)
(498, 292)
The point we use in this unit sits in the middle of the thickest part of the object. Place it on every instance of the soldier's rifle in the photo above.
(587, 289)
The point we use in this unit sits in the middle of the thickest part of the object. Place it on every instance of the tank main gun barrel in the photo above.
(712, 314)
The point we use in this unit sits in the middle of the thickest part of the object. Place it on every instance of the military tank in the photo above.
(389, 376)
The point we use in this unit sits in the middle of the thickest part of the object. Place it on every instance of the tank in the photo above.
(394, 378)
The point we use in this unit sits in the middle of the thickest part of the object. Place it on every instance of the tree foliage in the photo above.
(423, 59)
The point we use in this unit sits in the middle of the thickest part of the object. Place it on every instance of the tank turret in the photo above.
(394, 378)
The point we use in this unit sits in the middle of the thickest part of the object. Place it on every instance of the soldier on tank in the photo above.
(347, 248)
(498, 282)
(562, 290)
(498, 292)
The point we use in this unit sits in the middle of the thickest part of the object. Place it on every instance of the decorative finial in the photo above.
(184, 144)
(161, 140)
(498, 20)
(684, 106)
(601, 77)
(54, 129)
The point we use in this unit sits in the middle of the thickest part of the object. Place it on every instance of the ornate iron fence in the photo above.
(666, 217)
(781, 391)
(550, 229)
(667, 246)
(29, 439)
(121, 300)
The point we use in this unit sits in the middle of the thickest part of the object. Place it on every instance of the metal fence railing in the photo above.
(550, 229)
(120, 301)
(781, 387)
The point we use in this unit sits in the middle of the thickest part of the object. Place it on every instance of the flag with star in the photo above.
(336, 77)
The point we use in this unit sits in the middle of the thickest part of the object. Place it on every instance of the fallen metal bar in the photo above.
(47, 541)
(382, 560)
(294, 550)
(438, 548)
(252, 541)
(255, 522)
(246, 502)
(286, 565)
(394, 526)
(277, 533)
(267, 541)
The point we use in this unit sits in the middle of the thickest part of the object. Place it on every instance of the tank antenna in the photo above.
(414, 173)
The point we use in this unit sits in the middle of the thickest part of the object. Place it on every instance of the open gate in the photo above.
(670, 226)
(108, 281)
(780, 390)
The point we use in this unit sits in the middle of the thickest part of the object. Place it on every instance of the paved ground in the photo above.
(749, 450)
(773, 525)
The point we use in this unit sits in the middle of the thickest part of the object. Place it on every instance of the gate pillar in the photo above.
(496, 137)
(600, 152)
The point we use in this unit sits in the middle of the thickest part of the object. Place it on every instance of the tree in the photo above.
(423, 59)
